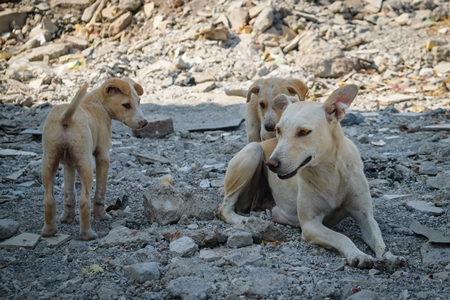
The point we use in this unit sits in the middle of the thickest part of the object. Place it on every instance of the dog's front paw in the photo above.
(361, 261)
(101, 215)
(67, 217)
(390, 262)
(88, 235)
(48, 230)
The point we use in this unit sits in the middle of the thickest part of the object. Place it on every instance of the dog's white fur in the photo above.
(75, 133)
(262, 115)
(317, 177)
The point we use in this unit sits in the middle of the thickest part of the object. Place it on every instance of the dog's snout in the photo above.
(143, 123)
(273, 164)
(269, 127)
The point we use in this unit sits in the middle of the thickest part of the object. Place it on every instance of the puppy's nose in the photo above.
(269, 127)
(273, 164)
(143, 123)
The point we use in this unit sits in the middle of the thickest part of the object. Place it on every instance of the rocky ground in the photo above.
(185, 54)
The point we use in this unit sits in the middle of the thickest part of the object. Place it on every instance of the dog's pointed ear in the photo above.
(138, 88)
(254, 89)
(281, 101)
(337, 103)
(297, 87)
(114, 86)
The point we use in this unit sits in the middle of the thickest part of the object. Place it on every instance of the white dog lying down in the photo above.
(316, 178)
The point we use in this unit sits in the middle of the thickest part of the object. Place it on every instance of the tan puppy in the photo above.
(262, 115)
(73, 134)
(317, 177)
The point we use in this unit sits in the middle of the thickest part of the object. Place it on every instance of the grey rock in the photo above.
(182, 267)
(435, 254)
(363, 138)
(8, 228)
(245, 256)
(238, 16)
(190, 288)
(147, 254)
(142, 272)
(441, 181)
(428, 168)
(424, 207)
(264, 230)
(261, 281)
(263, 21)
(239, 239)
(184, 246)
(364, 295)
(121, 235)
(131, 5)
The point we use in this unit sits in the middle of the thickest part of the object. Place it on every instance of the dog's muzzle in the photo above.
(289, 175)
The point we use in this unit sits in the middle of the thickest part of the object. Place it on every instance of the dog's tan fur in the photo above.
(75, 133)
(262, 115)
(317, 177)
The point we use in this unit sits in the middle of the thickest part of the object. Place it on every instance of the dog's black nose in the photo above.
(273, 164)
(143, 123)
(269, 127)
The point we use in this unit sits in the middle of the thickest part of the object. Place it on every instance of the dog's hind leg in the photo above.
(102, 167)
(68, 214)
(49, 168)
(85, 169)
(241, 183)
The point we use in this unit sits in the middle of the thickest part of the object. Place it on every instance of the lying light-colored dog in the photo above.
(262, 115)
(73, 134)
(317, 177)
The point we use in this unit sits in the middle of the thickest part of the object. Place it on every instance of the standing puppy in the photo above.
(316, 178)
(75, 133)
(262, 115)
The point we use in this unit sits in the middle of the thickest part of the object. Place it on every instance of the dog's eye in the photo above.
(126, 105)
(303, 132)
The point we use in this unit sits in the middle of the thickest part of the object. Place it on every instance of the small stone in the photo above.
(189, 288)
(239, 239)
(8, 228)
(428, 168)
(363, 139)
(142, 272)
(120, 23)
(184, 246)
(441, 181)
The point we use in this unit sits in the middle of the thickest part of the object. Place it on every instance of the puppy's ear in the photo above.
(254, 89)
(139, 89)
(336, 105)
(281, 101)
(296, 86)
(114, 86)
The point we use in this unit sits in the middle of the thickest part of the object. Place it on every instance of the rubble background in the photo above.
(185, 54)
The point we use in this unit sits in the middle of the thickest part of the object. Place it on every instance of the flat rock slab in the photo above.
(213, 254)
(396, 98)
(396, 197)
(432, 235)
(443, 126)
(217, 125)
(435, 254)
(12, 152)
(424, 207)
(23, 240)
(56, 241)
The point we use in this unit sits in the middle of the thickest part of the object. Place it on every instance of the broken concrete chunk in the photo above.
(23, 240)
(424, 207)
(156, 127)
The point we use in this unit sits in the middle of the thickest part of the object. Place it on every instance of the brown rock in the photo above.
(76, 4)
(120, 23)
(6, 17)
(75, 42)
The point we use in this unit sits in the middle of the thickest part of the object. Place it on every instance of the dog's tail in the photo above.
(67, 116)
(239, 93)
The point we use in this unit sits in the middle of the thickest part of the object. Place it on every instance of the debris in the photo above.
(432, 235)
(23, 240)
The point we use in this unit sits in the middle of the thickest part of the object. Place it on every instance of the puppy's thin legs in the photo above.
(49, 168)
(68, 214)
(314, 232)
(241, 183)
(371, 233)
(85, 170)
(102, 167)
